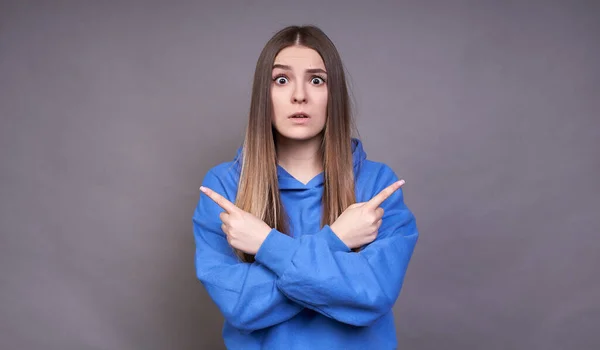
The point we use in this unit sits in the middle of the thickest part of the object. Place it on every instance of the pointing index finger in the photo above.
(220, 200)
(376, 201)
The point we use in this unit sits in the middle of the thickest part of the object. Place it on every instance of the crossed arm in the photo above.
(354, 288)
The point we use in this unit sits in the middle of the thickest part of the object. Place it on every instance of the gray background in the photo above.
(112, 112)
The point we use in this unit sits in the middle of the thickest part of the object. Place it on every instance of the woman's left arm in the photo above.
(354, 288)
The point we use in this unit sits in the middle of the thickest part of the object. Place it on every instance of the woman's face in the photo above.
(299, 93)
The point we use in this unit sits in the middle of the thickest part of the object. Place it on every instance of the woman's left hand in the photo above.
(244, 231)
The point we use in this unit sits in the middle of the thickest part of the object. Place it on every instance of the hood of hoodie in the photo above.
(288, 182)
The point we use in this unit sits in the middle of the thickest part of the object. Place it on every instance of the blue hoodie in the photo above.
(307, 290)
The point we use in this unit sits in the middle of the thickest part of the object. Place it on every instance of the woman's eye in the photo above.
(317, 80)
(281, 80)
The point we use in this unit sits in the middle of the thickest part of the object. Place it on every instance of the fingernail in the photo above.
(401, 182)
(202, 188)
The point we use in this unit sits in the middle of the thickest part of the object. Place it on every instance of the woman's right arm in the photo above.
(245, 293)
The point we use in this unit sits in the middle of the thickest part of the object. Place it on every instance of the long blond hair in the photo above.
(258, 189)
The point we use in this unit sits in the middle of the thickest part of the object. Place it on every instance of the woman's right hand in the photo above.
(359, 223)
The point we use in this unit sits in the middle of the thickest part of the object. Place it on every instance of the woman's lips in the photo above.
(299, 118)
(299, 115)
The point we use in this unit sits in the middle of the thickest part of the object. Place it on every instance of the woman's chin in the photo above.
(298, 135)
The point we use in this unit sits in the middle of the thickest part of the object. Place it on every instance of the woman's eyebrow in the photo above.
(285, 67)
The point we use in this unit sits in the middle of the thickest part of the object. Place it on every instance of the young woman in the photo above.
(301, 241)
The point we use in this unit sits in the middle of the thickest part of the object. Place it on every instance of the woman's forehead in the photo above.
(299, 57)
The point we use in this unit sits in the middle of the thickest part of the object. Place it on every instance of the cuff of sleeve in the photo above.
(333, 241)
(276, 251)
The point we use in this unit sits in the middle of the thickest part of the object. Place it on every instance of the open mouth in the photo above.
(299, 116)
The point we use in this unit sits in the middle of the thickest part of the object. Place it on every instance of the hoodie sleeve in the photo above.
(353, 288)
(245, 293)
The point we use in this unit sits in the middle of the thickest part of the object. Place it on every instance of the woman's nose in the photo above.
(299, 94)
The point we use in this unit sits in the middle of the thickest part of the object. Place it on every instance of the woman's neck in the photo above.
(302, 159)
